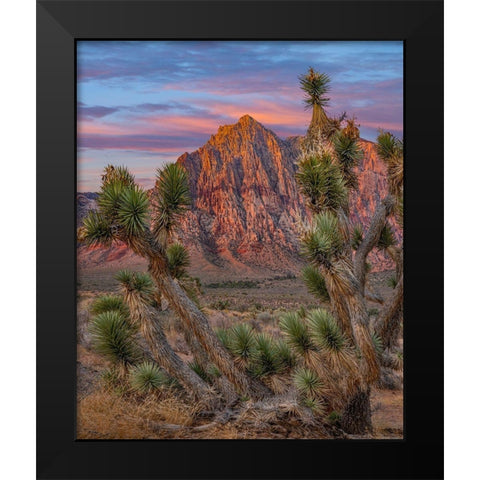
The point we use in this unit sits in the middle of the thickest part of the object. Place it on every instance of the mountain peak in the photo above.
(246, 120)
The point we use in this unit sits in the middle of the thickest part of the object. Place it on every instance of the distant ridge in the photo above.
(246, 204)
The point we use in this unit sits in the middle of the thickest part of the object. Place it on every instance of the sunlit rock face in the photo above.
(246, 206)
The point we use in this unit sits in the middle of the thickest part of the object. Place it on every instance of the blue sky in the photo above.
(142, 104)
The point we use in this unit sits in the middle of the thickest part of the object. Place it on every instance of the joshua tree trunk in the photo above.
(388, 322)
(222, 384)
(382, 211)
(198, 324)
(357, 416)
(171, 362)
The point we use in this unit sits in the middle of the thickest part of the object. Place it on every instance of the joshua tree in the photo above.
(337, 251)
(146, 225)
(138, 294)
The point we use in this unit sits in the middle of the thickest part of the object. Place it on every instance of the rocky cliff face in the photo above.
(245, 200)
(246, 204)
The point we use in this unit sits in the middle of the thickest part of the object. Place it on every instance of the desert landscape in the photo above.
(255, 291)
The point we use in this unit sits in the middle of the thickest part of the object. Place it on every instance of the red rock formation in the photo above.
(246, 203)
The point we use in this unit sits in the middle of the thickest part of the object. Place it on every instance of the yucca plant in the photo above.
(326, 176)
(390, 150)
(336, 351)
(322, 183)
(316, 405)
(178, 260)
(387, 238)
(286, 357)
(107, 303)
(323, 241)
(378, 343)
(307, 382)
(296, 333)
(224, 337)
(137, 289)
(264, 358)
(147, 377)
(113, 336)
(171, 199)
(357, 236)
(242, 342)
(315, 283)
(349, 154)
(124, 215)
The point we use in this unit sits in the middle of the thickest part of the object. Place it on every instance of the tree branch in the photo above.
(384, 208)
(388, 321)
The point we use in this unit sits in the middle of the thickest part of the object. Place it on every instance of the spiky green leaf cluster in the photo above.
(197, 367)
(323, 240)
(316, 405)
(224, 337)
(322, 183)
(315, 283)
(326, 331)
(264, 356)
(377, 343)
(133, 211)
(308, 382)
(171, 198)
(147, 377)
(349, 154)
(122, 210)
(316, 87)
(139, 282)
(242, 340)
(113, 336)
(387, 237)
(178, 260)
(296, 333)
(390, 150)
(118, 174)
(96, 230)
(286, 357)
(357, 236)
(107, 303)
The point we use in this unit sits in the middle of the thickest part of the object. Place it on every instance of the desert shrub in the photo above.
(285, 355)
(308, 382)
(316, 405)
(108, 303)
(326, 331)
(377, 343)
(224, 337)
(233, 284)
(147, 377)
(113, 336)
(315, 283)
(296, 333)
(372, 311)
(220, 305)
(264, 358)
(334, 417)
(357, 236)
(264, 317)
(242, 340)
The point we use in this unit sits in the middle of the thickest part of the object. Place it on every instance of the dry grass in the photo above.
(106, 415)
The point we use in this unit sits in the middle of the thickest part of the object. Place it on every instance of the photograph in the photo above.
(239, 239)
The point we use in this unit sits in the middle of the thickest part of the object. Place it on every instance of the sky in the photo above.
(143, 104)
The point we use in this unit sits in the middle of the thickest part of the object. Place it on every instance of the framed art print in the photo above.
(233, 262)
